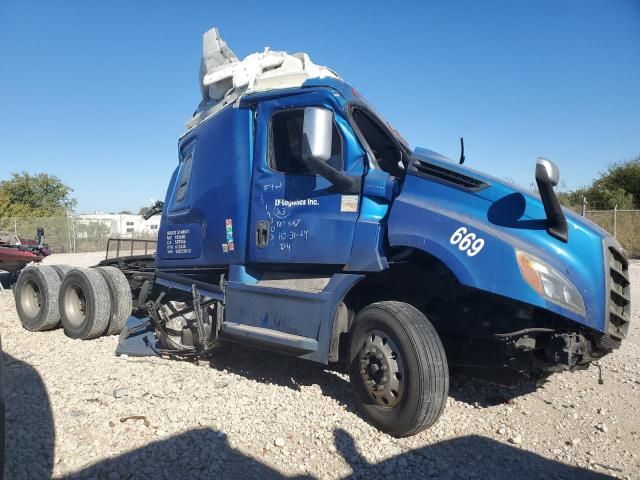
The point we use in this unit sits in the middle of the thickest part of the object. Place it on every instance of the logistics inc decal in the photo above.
(281, 202)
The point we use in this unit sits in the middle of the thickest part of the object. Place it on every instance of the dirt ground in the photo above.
(75, 410)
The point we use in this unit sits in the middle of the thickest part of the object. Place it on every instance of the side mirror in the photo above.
(547, 172)
(547, 177)
(317, 139)
(317, 131)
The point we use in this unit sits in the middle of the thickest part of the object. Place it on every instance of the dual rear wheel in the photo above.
(88, 302)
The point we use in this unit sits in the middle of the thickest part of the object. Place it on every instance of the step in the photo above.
(269, 338)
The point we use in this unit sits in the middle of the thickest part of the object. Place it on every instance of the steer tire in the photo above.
(36, 295)
(62, 270)
(121, 301)
(85, 304)
(398, 368)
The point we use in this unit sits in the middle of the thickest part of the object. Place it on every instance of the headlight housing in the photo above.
(550, 283)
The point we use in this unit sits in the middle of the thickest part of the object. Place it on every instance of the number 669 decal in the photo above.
(467, 242)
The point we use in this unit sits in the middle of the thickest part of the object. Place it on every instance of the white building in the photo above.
(122, 225)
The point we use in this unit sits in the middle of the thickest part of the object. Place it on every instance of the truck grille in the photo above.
(619, 298)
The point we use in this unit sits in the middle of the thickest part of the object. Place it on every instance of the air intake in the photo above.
(450, 177)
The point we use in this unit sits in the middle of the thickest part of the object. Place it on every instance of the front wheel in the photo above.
(398, 368)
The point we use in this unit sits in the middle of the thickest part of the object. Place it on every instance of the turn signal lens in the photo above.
(549, 282)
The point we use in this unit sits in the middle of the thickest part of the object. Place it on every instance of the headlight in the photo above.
(549, 283)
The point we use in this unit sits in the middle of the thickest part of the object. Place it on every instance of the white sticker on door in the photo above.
(349, 203)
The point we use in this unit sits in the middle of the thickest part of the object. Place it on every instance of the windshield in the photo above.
(385, 145)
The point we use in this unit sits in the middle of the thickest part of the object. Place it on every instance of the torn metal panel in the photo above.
(224, 78)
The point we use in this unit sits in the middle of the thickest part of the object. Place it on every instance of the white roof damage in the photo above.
(224, 78)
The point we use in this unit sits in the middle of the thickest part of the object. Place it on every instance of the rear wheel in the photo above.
(61, 270)
(120, 293)
(85, 304)
(398, 368)
(36, 294)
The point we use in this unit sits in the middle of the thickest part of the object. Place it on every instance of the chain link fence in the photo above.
(75, 234)
(622, 224)
(69, 234)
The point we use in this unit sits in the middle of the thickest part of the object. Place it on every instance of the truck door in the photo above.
(297, 216)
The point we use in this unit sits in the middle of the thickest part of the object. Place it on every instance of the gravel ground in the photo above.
(74, 410)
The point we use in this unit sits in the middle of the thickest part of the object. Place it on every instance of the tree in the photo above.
(618, 186)
(621, 176)
(125, 212)
(603, 198)
(143, 210)
(39, 195)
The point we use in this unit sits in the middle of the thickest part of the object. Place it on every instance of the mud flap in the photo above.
(138, 339)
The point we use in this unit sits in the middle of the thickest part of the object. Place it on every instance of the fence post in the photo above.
(584, 206)
(615, 221)
(69, 230)
(75, 235)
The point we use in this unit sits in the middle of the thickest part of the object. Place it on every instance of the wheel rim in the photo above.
(31, 299)
(382, 369)
(75, 305)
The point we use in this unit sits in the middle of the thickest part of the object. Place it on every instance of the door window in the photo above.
(285, 146)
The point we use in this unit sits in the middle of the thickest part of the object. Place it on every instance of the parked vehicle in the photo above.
(16, 253)
(299, 221)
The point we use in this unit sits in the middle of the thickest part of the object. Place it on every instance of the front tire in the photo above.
(398, 368)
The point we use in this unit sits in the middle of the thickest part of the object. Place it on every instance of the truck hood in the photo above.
(439, 196)
(510, 205)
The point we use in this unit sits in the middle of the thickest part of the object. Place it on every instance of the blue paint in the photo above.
(232, 193)
(218, 190)
(137, 339)
(180, 241)
(427, 213)
(306, 314)
(303, 211)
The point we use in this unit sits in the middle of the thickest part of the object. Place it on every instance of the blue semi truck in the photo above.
(297, 220)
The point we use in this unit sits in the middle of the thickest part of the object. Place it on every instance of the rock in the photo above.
(208, 420)
(516, 439)
(120, 392)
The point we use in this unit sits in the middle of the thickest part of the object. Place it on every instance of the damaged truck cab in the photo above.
(313, 230)
(297, 220)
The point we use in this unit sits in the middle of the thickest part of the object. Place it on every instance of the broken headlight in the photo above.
(549, 282)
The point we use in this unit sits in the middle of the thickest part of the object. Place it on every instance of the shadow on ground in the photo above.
(275, 369)
(206, 454)
(272, 368)
(29, 429)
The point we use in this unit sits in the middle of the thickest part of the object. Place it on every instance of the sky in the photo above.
(98, 93)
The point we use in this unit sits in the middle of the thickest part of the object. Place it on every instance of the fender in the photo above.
(427, 214)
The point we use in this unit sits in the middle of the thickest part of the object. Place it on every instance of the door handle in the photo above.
(262, 233)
